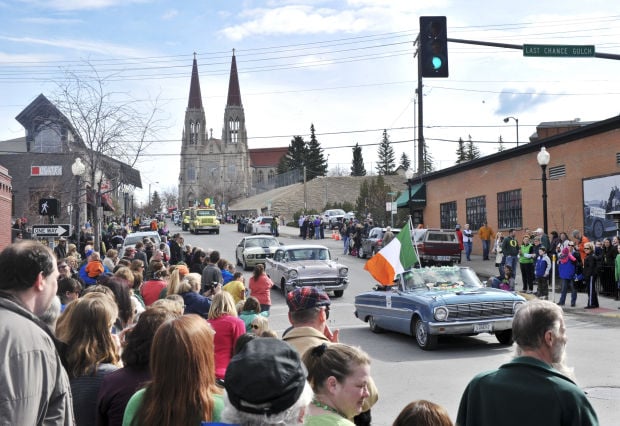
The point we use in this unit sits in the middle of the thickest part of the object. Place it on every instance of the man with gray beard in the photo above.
(535, 388)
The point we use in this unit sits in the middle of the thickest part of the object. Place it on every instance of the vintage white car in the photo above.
(255, 249)
(307, 265)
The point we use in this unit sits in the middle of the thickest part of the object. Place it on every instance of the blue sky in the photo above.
(346, 66)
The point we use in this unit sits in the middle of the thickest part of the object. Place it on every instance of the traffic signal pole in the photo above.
(420, 117)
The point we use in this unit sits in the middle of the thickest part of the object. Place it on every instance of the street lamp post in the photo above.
(543, 158)
(77, 169)
(517, 123)
(392, 208)
(98, 175)
(409, 176)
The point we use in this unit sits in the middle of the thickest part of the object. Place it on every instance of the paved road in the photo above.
(403, 372)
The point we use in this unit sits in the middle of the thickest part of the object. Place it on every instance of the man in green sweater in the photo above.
(535, 387)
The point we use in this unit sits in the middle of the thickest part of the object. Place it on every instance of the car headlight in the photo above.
(251, 256)
(441, 313)
(343, 272)
(292, 274)
(516, 306)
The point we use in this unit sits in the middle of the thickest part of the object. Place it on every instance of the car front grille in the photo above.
(319, 281)
(473, 311)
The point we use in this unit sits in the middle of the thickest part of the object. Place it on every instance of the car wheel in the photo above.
(244, 264)
(374, 251)
(373, 325)
(504, 337)
(217, 232)
(360, 253)
(238, 261)
(338, 293)
(425, 340)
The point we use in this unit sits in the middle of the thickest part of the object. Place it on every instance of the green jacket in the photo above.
(525, 391)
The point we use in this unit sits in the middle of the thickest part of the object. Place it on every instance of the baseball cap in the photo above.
(306, 298)
(265, 377)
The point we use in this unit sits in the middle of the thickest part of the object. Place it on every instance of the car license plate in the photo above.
(320, 287)
(443, 258)
(482, 328)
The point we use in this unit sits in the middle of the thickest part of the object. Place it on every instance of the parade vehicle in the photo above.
(373, 242)
(307, 265)
(435, 301)
(131, 240)
(203, 219)
(262, 225)
(437, 246)
(255, 249)
(334, 217)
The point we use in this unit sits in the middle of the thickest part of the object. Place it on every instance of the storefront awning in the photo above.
(418, 196)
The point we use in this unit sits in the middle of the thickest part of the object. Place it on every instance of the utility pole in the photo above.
(305, 193)
(421, 143)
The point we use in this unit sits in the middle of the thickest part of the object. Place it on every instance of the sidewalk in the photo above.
(486, 268)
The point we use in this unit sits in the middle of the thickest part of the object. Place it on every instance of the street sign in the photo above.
(50, 230)
(559, 50)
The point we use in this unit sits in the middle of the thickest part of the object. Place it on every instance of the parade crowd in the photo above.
(172, 335)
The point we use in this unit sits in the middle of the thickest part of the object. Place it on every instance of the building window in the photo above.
(271, 175)
(476, 211)
(260, 176)
(47, 139)
(233, 129)
(191, 173)
(509, 214)
(447, 212)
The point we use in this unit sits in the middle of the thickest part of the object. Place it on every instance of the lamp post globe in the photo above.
(543, 158)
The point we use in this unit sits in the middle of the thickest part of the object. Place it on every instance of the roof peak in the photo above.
(234, 93)
(195, 97)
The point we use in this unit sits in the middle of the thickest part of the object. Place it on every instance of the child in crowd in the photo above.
(541, 271)
(94, 268)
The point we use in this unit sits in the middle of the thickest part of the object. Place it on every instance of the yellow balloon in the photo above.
(207, 201)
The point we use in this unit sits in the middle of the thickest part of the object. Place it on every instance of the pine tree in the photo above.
(405, 163)
(357, 166)
(156, 202)
(473, 151)
(461, 155)
(316, 165)
(386, 156)
(501, 146)
(295, 157)
(428, 165)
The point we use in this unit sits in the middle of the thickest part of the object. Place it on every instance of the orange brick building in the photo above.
(6, 196)
(505, 188)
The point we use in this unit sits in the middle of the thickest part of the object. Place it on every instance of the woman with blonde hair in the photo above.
(91, 350)
(179, 396)
(137, 268)
(111, 259)
(259, 325)
(339, 375)
(228, 327)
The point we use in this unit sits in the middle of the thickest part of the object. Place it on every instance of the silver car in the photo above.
(255, 249)
(307, 265)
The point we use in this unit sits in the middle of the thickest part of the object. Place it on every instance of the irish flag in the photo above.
(398, 256)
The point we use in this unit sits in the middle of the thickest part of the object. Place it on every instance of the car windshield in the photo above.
(308, 254)
(133, 239)
(205, 212)
(444, 278)
(261, 242)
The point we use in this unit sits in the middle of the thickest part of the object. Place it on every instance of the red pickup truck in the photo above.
(437, 246)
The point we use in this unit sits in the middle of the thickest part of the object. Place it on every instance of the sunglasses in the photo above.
(255, 327)
(326, 312)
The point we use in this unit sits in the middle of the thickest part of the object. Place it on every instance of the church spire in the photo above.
(195, 98)
(234, 93)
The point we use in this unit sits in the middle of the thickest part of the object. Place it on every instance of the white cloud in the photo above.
(169, 14)
(50, 21)
(81, 45)
(296, 20)
(80, 4)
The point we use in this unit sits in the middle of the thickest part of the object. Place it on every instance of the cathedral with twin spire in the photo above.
(218, 169)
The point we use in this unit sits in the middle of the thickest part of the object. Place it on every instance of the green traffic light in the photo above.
(437, 62)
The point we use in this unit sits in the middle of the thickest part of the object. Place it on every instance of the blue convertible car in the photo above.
(434, 301)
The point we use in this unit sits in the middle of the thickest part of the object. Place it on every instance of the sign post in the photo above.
(50, 230)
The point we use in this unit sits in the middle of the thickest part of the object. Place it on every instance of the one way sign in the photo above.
(50, 230)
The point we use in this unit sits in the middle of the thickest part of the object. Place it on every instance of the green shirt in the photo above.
(136, 401)
(327, 419)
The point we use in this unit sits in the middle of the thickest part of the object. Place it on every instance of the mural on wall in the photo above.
(600, 196)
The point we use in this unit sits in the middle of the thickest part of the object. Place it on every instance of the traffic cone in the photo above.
(333, 234)
(337, 235)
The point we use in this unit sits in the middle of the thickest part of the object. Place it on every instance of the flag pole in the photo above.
(415, 246)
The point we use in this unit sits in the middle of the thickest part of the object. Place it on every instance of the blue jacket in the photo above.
(88, 280)
(567, 270)
(196, 303)
(542, 266)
